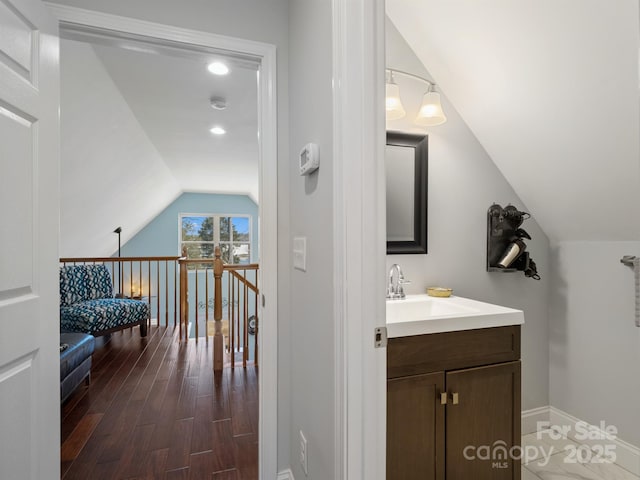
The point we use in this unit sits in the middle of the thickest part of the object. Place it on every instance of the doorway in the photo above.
(75, 24)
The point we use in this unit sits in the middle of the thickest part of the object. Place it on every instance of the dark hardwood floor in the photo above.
(156, 410)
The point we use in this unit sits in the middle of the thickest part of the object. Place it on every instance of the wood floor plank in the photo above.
(180, 448)
(155, 465)
(135, 455)
(200, 465)
(187, 407)
(177, 474)
(222, 445)
(76, 441)
(246, 449)
(155, 409)
(225, 475)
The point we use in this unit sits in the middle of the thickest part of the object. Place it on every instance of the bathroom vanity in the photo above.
(453, 393)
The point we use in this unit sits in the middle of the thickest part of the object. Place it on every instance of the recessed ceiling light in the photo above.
(218, 131)
(218, 68)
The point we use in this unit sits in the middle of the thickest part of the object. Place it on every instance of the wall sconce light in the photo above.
(394, 107)
(430, 113)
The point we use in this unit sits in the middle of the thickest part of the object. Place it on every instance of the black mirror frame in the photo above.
(420, 144)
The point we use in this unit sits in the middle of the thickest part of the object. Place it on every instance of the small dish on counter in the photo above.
(439, 292)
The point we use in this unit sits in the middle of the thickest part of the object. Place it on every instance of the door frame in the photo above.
(265, 55)
(359, 243)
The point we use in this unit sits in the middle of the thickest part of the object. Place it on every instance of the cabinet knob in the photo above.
(443, 398)
(455, 399)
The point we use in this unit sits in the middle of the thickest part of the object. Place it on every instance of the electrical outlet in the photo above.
(304, 454)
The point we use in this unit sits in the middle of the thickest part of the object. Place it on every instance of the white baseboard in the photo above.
(530, 419)
(285, 475)
(627, 455)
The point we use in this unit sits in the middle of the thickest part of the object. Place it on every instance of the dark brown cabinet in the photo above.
(453, 405)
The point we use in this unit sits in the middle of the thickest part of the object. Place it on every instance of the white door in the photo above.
(29, 217)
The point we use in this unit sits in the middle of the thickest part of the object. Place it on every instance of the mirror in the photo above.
(406, 167)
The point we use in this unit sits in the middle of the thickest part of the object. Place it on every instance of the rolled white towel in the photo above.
(636, 272)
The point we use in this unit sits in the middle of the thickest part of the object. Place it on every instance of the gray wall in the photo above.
(264, 21)
(594, 344)
(463, 183)
(312, 350)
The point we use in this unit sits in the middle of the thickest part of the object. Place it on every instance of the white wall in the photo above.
(312, 350)
(594, 343)
(550, 90)
(463, 183)
(111, 174)
(263, 21)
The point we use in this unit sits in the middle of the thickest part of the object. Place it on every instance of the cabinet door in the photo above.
(415, 428)
(483, 422)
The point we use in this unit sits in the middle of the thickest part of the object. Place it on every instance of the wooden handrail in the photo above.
(118, 259)
(226, 266)
(244, 280)
(241, 266)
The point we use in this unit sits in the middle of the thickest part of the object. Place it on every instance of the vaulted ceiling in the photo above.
(550, 89)
(135, 123)
(170, 97)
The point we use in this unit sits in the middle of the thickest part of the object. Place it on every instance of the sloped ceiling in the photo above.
(550, 89)
(135, 134)
(111, 174)
(170, 97)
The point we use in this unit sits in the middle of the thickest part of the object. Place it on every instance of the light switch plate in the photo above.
(300, 253)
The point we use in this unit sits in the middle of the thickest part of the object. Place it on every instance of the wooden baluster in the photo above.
(218, 268)
(236, 309)
(245, 349)
(256, 309)
(206, 299)
(166, 294)
(184, 311)
(157, 291)
(175, 293)
(149, 292)
(230, 319)
(197, 306)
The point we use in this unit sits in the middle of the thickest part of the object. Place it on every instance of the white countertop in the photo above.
(422, 314)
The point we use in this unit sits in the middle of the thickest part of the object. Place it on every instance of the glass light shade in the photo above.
(430, 112)
(394, 107)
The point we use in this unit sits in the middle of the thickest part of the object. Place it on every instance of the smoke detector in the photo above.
(218, 103)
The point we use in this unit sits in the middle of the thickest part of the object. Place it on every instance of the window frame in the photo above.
(216, 231)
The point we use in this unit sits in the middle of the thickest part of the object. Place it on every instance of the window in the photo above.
(201, 233)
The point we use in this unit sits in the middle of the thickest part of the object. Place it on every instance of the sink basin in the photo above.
(422, 314)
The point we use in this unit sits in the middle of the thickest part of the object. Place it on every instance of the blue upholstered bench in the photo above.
(75, 361)
(87, 303)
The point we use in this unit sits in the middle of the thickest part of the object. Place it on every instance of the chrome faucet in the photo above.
(396, 280)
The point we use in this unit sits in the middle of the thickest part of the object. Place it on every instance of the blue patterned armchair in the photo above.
(87, 303)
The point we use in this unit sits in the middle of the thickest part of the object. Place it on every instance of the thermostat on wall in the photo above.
(309, 159)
